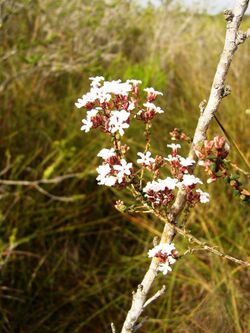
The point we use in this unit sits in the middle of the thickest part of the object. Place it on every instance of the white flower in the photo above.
(90, 97)
(108, 180)
(92, 113)
(164, 268)
(87, 125)
(166, 253)
(171, 260)
(104, 178)
(96, 81)
(152, 186)
(103, 170)
(174, 146)
(153, 92)
(204, 196)
(153, 107)
(164, 248)
(145, 159)
(106, 153)
(161, 185)
(131, 106)
(189, 180)
(118, 121)
(186, 161)
(123, 170)
(135, 82)
(171, 158)
(117, 87)
(170, 183)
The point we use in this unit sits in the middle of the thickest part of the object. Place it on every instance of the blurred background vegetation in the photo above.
(69, 260)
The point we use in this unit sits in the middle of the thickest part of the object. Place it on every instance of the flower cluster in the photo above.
(110, 105)
(161, 192)
(114, 170)
(212, 156)
(179, 165)
(166, 254)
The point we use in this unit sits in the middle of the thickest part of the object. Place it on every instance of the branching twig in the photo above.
(154, 298)
(113, 330)
(217, 92)
(36, 184)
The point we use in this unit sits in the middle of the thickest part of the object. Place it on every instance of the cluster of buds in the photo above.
(212, 156)
(178, 134)
(166, 254)
(238, 190)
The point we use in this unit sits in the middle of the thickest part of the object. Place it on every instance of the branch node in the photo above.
(228, 15)
(202, 106)
(226, 91)
(156, 295)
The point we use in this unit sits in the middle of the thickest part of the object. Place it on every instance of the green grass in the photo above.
(71, 267)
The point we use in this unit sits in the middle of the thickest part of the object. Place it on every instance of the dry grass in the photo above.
(71, 267)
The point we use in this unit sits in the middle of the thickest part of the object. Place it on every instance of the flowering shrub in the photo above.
(110, 107)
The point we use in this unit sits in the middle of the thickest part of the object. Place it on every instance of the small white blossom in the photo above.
(145, 159)
(90, 97)
(103, 170)
(135, 82)
(204, 196)
(92, 113)
(117, 87)
(170, 183)
(164, 268)
(153, 186)
(131, 106)
(153, 107)
(87, 125)
(171, 158)
(166, 253)
(108, 180)
(123, 170)
(118, 121)
(104, 178)
(106, 153)
(153, 92)
(96, 81)
(164, 248)
(161, 185)
(189, 180)
(186, 161)
(174, 146)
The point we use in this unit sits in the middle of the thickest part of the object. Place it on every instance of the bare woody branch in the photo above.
(217, 92)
